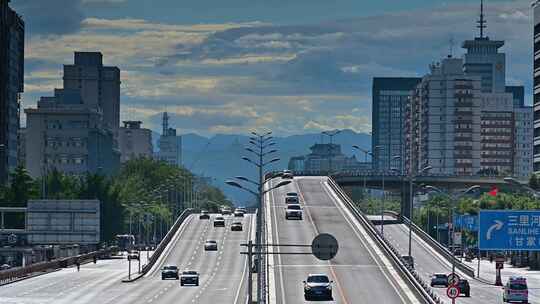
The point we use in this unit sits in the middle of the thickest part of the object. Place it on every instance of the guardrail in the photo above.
(443, 251)
(18, 273)
(408, 273)
(165, 241)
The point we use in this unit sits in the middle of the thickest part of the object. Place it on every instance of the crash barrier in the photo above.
(18, 273)
(438, 247)
(408, 273)
(165, 241)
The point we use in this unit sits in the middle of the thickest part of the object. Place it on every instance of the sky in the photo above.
(292, 66)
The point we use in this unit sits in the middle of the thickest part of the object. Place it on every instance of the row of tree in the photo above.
(144, 188)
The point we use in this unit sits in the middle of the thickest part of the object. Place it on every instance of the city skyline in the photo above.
(255, 73)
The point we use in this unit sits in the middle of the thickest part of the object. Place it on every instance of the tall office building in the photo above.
(134, 141)
(536, 75)
(170, 145)
(465, 120)
(443, 121)
(99, 85)
(11, 86)
(390, 98)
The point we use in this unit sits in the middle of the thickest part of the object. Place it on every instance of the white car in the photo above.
(293, 211)
(516, 290)
(317, 285)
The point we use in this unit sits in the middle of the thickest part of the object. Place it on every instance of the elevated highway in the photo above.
(360, 271)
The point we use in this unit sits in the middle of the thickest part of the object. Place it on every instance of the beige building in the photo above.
(134, 141)
(64, 134)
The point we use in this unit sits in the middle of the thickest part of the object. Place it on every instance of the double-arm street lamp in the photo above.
(261, 147)
(331, 134)
(366, 153)
(454, 198)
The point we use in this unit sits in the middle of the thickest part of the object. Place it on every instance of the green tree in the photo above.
(21, 189)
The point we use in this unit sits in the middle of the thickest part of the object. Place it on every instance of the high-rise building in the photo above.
(11, 86)
(443, 121)
(170, 145)
(390, 98)
(465, 120)
(134, 141)
(65, 134)
(536, 75)
(523, 142)
(99, 85)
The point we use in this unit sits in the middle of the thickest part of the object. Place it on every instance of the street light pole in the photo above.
(451, 208)
(366, 152)
(331, 134)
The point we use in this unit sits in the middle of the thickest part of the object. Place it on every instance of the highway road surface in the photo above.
(361, 273)
(221, 274)
(428, 262)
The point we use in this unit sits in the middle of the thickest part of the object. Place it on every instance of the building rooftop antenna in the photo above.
(482, 22)
(451, 46)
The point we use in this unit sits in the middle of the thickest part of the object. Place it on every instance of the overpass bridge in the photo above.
(366, 268)
(396, 183)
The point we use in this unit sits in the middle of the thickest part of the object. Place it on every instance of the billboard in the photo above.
(63, 222)
(509, 230)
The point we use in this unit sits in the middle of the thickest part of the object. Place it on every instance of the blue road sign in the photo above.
(466, 222)
(509, 230)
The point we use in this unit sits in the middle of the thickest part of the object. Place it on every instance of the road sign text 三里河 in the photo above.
(509, 230)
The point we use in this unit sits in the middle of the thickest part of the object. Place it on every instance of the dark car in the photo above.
(464, 287)
(439, 279)
(210, 246)
(204, 215)
(236, 226)
(219, 221)
(292, 194)
(169, 272)
(317, 286)
(189, 278)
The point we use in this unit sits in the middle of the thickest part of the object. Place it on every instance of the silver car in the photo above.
(317, 286)
(210, 246)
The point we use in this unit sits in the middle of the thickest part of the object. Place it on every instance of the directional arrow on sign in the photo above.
(497, 226)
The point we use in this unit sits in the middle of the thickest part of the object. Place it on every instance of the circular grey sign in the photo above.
(324, 246)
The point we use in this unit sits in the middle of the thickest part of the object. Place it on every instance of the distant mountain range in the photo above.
(219, 157)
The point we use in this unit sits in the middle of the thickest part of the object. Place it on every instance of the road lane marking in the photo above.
(354, 223)
(310, 219)
(271, 199)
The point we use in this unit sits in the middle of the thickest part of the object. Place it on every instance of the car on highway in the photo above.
(219, 221)
(5, 267)
(210, 245)
(464, 287)
(169, 271)
(317, 286)
(238, 213)
(293, 211)
(133, 255)
(292, 194)
(439, 279)
(291, 200)
(226, 211)
(236, 226)
(516, 290)
(204, 215)
(189, 277)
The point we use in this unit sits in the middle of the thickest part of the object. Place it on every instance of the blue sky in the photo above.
(293, 66)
